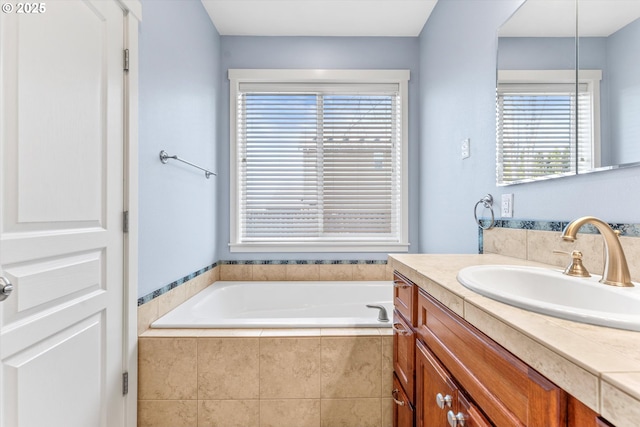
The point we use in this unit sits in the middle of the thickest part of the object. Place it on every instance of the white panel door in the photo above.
(61, 239)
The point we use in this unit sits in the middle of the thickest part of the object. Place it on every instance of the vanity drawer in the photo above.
(404, 352)
(509, 391)
(404, 297)
(403, 412)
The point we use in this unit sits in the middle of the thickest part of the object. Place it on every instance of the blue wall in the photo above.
(318, 52)
(179, 102)
(624, 66)
(537, 53)
(457, 100)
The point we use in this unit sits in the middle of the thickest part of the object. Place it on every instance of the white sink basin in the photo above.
(550, 292)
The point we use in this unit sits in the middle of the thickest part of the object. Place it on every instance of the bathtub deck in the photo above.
(267, 332)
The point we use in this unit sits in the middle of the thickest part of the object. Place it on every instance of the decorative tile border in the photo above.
(304, 262)
(163, 290)
(629, 230)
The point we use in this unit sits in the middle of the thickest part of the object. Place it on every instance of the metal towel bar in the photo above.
(164, 158)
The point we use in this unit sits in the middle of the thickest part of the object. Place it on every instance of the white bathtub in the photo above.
(321, 304)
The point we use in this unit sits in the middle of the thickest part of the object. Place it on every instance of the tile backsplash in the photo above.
(536, 241)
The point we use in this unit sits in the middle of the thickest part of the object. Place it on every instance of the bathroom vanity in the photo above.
(461, 359)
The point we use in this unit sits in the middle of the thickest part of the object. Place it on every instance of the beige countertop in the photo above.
(599, 366)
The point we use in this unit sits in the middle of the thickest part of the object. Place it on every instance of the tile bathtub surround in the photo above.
(151, 310)
(304, 270)
(536, 241)
(273, 378)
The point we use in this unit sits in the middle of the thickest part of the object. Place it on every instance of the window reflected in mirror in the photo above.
(536, 124)
(557, 119)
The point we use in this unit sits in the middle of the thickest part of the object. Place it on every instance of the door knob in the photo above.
(5, 288)
(443, 401)
(455, 420)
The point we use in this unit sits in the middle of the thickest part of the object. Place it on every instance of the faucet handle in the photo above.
(576, 268)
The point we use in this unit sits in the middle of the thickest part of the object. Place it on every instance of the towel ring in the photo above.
(487, 202)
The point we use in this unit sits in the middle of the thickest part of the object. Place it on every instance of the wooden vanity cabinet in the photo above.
(486, 385)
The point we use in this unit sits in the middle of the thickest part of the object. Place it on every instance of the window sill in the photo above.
(319, 247)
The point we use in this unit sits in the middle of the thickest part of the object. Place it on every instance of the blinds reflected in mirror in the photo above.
(544, 130)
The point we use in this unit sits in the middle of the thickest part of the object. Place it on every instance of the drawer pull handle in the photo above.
(400, 285)
(398, 329)
(394, 396)
(443, 401)
(455, 420)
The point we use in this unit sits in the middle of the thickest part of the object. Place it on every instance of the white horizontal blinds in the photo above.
(536, 130)
(358, 182)
(318, 166)
(279, 168)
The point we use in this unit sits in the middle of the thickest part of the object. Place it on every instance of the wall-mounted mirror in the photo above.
(568, 104)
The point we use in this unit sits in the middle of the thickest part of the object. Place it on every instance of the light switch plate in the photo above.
(466, 148)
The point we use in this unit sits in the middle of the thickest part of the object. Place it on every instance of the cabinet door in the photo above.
(404, 347)
(402, 408)
(436, 393)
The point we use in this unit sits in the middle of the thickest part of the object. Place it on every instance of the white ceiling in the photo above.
(556, 18)
(391, 18)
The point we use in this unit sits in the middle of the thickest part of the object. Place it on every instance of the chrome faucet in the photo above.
(616, 270)
(382, 314)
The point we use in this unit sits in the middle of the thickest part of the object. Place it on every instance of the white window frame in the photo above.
(238, 76)
(590, 78)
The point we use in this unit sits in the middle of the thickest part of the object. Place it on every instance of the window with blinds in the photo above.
(319, 166)
(544, 130)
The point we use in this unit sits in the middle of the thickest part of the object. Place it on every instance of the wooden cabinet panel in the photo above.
(403, 412)
(436, 393)
(404, 296)
(509, 392)
(404, 348)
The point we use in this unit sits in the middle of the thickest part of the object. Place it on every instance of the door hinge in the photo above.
(125, 383)
(125, 221)
(126, 60)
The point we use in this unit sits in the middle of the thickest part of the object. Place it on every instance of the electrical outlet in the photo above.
(507, 206)
(466, 148)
